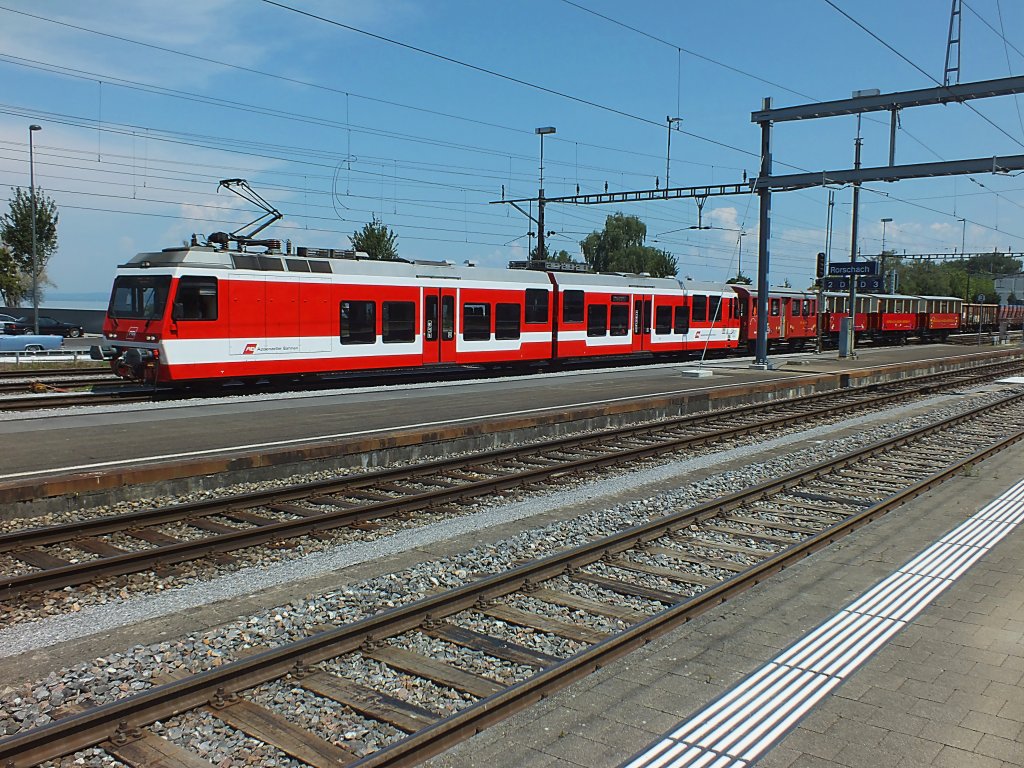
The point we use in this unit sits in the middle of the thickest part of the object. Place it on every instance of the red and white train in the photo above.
(204, 312)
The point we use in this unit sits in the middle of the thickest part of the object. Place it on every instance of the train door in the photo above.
(315, 315)
(247, 322)
(642, 314)
(438, 325)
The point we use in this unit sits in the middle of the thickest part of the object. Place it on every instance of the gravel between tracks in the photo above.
(120, 674)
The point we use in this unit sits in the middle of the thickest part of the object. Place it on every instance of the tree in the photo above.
(739, 280)
(16, 236)
(619, 247)
(376, 240)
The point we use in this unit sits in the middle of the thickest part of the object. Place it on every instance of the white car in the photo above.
(29, 342)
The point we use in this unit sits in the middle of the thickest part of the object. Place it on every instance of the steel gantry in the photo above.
(766, 182)
(700, 194)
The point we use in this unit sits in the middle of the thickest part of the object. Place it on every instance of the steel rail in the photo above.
(43, 402)
(168, 554)
(8, 386)
(65, 532)
(120, 720)
(49, 372)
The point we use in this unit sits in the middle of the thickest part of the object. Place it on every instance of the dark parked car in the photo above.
(47, 325)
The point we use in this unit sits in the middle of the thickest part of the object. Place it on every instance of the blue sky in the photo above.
(334, 126)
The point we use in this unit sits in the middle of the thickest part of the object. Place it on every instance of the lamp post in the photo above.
(668, 150)
(882, 256)
(32, 191)
(541, 248)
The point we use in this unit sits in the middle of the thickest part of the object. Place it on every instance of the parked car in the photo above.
(29, 342)
(6, 319)
(48, 325)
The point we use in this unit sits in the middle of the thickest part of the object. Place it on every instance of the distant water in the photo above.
(57, 303)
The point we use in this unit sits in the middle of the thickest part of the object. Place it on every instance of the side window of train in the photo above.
(597, 320)
(537, 302)
(807, 308)
(700, 308)
(196, 299)
(794, 307)
(663, 320)
(358, 322)
(620, 320)
(506, 321)
(447, 318)
(681, 321)
(715, 309)
(430, 318)
(774, 307)
(398, 321)
(572, 307)
(476, 322)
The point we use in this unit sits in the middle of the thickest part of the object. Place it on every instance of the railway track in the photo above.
(601, 599)
(75, 553)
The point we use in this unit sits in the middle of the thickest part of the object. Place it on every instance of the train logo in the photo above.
(250, 349)
(132, 332)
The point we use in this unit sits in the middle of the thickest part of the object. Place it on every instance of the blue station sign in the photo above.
(841, 268)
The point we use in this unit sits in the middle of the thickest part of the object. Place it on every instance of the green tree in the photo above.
(619, 247)
(16, 235)
(376, 240)
(739, 280)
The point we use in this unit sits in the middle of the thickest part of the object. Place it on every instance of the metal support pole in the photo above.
(892, 135)
(739, 256)
(852, 298)
(32, 191)
(542, 253)
(764, 231)
(668, 150)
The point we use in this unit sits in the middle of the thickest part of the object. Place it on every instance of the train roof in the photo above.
(207, 257)
(705, 286)
(774, 291)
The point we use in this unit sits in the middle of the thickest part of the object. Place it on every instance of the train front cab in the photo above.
(135, 324)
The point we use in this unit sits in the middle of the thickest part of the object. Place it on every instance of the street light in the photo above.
(32, 191)
(541, 249)
(668, 151)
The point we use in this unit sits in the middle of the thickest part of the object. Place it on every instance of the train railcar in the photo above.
(204, 312)
(792, 316)
(620, 314)
(939, 316)
(201, 313)
(894, 318)
(976, 317)
(991, 317)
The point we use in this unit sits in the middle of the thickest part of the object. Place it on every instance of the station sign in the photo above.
(875, 284)
(853, 268)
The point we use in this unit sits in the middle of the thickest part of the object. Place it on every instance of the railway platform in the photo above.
(100, 452)
(939, 683)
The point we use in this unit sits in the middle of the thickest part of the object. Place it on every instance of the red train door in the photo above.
(642, 322)
(438, 325)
